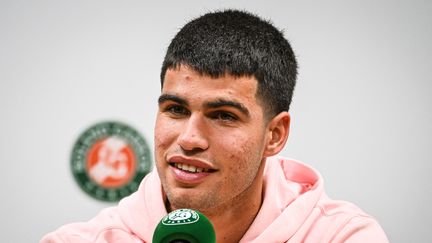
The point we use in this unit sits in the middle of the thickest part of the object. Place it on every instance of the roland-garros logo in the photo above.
(181, 216)
(109, 160)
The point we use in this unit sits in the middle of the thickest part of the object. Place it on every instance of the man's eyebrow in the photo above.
(222, 102)
(168, 97)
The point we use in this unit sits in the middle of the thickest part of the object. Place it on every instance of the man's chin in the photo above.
(190, 198)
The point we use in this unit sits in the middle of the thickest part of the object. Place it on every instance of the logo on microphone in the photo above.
(109, 160)
(181, 216)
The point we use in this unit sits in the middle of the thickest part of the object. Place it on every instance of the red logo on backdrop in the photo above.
(111, 162)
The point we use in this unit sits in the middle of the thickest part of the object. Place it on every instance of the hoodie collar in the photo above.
(291, 190)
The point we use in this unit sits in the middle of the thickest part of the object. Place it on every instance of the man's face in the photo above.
(210, 136)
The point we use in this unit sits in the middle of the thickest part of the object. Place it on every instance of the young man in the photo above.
(227, 82)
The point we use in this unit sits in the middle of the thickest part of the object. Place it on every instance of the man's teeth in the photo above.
(190, 168)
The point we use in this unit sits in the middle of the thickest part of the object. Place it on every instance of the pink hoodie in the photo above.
(295, 209)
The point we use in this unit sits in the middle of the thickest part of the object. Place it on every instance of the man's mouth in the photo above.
(190, 168)
(189, 171)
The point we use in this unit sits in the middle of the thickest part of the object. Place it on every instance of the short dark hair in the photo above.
(240, 44)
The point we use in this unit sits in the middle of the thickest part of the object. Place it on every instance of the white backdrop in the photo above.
(361, 112)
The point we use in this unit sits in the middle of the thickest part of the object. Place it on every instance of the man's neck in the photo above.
(231, 224)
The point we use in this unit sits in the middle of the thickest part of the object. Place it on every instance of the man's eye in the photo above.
(225, 116)
(176, 110)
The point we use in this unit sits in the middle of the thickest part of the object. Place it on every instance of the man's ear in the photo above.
(277, 133)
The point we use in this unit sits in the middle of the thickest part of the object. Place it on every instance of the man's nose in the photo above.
(193, 135)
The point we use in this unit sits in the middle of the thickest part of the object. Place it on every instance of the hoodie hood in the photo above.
(291, 190)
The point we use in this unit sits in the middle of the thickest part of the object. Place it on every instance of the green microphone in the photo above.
(184, 226)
